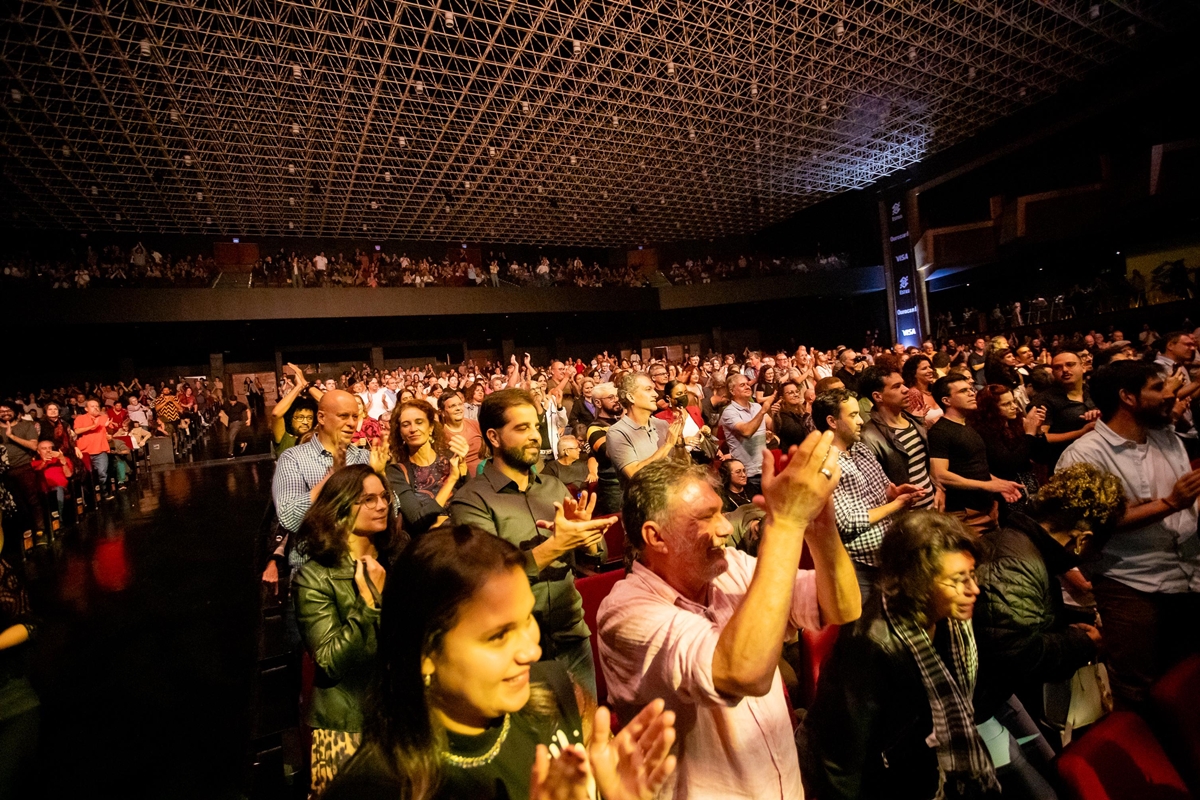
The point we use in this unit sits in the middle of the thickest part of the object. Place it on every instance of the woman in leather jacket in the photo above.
(345, 534)
(871, 731)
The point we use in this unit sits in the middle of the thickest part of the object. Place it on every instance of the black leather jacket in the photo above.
(867, 727)
(882, 441)
(340, 632)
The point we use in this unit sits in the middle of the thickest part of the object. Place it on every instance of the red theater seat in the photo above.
(1176, 699)
(1119, 759)
(593, 589)
(817, 646)
(614, 540)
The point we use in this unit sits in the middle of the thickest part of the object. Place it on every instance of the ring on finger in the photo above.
(827, 472)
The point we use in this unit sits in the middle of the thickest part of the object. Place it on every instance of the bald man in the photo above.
(301, 470)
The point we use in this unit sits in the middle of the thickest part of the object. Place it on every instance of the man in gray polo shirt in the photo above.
(638, 437)
(744, 423)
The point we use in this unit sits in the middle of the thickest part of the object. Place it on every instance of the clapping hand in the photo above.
(906, 493)
(635, 763)
(573, 533)
(796, 495)
(580, 509)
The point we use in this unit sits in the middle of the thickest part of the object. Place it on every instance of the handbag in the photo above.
(1090, 699)
(708, 449)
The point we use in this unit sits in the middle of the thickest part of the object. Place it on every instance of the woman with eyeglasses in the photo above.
(733, 485)
(346, 537)
(894, 715)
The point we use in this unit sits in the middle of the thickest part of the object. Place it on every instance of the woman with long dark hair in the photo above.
(346, 537)
(919, 377)
(792, 421)
(1012, 441)
(463, 709)
(424, 467)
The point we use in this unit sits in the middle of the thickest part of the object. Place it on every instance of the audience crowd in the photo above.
(972, 524)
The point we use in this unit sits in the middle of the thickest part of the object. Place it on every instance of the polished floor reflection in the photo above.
(145, 660)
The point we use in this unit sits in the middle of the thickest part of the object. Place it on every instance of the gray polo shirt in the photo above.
(629, 442)
(746, 449)
(492, 502)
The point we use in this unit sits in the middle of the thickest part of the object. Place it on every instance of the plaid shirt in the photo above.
(299, 469)
(862, 487)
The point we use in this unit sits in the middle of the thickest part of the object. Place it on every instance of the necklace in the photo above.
(464, 762)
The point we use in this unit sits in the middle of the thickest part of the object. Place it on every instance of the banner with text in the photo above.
(901, 271)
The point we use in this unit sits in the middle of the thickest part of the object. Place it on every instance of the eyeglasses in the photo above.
(373, 500)
(959, 584)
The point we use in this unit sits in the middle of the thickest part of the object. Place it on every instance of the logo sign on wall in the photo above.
(902, 275)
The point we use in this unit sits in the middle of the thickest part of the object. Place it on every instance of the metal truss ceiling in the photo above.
(564, 121)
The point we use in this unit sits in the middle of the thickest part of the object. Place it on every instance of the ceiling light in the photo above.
(525, 106)
(670, 67)
(839, 29)
(1021, 92)
(374, 206)
(145, 47)
(757, 145)
(291, 201)
(971, 73)
(824, 106)
(199, 195)
(1094, 12)
(296, 73)
(616, 121)
(692, 134)
(291, 225)
(574, 161)
(467, 185)
(419, 86)
(912, 54)
(17, 96)
(403, 141)
(387, 176)
(295, 128)
(95, 191)
(577, 46)
(66, 151)
(1131, 30)
(118, 217)
(449, 17)
(187, 160)
(364, 226)
(754, 90)
(291, 169)
(208, 220)
(491, 152)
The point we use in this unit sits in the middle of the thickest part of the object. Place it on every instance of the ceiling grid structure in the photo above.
(580, 122)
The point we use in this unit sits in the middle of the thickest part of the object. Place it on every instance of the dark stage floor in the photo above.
(146, 658)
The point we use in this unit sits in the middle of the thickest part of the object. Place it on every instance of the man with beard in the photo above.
(1147, 580)
(537, 514)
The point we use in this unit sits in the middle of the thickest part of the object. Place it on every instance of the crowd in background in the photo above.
(983, 519)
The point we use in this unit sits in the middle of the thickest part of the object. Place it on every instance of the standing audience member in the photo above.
(899, 441)
(235, 415)
(608, 486)
(744, 425)
(702, 625)
(535, 512)
(293, 416)
(1070, 412)
(1026, 636)
(337, 595)
(91, 437)
(168, 411)
(424, 468)
(19, 437)
(1147, 581)
(958, 456)
(639, 438)
(865, 502)
(792, 422)
(1013, 441)
(465, 708)
(455, 423)
(893, 715)
(1177, 357)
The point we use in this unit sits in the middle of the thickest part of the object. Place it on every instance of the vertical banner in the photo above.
(900, 271)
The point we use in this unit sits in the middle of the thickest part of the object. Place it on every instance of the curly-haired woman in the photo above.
(345, 535)
(1026, 636)
(424, 467)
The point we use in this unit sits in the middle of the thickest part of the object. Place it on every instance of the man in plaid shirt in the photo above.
(865, 502)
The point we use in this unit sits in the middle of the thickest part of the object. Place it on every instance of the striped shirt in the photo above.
(913, 445)
(862, 487)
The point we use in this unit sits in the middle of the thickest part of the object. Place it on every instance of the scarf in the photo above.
(960, 751)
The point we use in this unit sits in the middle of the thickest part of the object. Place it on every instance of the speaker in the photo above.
(161, 451)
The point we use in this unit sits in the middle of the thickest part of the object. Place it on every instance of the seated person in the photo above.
(733, 485)
(54, 473)
(1026, 637)
(121, 456)
(466, 711)
(893, 715)
(139, 435)
(702, 625)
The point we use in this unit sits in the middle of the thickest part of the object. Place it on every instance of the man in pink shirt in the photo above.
(91, 437)
(702, 626)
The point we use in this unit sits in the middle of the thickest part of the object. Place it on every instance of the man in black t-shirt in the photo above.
(1070, 412)
(958, 457)
(236, 415)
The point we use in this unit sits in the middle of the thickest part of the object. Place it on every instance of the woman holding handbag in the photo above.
(346, 537)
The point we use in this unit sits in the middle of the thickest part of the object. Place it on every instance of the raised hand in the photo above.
(580, 509)
(1034, 420)
(797, 494)
(572, 533)
(635, 764)
(564, 777)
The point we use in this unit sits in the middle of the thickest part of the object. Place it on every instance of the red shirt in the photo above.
(95, 441)
(52, 474)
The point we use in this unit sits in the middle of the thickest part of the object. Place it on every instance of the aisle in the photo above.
(145, 658)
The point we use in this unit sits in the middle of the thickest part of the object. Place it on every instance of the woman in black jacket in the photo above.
(872, 731)
(345, 534)
(1026, 636)
(1013, 442)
